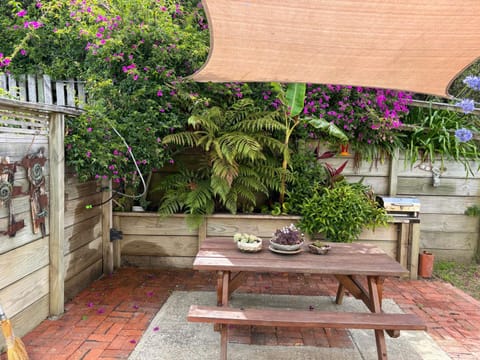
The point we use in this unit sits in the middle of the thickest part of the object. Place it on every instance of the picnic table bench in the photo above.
(347, 262)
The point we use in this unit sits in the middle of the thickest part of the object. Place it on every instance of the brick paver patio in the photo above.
(106, 320)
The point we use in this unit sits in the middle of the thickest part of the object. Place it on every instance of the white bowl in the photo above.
(293, 247)
(249, 247)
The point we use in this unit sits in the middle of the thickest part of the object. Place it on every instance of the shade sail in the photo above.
(415, 45)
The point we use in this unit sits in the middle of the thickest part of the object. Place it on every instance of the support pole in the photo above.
(56, 214)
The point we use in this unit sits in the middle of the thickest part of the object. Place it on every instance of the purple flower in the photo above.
(463, 135)
(472, 82)
(22, 13)
(467, 105)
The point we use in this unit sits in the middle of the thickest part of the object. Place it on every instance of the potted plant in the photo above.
(319, 247)
(288, 238)
(247, 242)
(341, 212)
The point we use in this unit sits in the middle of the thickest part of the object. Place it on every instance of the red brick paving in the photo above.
(106, 320)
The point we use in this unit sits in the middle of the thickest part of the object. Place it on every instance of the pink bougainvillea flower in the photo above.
(133, 341)
(22, 13)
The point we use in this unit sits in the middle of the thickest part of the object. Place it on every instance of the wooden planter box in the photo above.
(151, 241)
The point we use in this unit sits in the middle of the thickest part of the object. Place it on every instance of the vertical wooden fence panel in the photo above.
(32, 88)
(57, 207)
(107, 245)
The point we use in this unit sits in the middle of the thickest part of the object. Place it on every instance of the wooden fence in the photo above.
(39, 269)
(41, 89)
(444, 228)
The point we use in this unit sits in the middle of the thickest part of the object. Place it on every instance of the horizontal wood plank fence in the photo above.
(39, 269)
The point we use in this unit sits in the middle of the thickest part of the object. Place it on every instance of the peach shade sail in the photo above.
(415, 45)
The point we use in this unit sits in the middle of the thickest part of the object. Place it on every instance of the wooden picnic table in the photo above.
(348, 263)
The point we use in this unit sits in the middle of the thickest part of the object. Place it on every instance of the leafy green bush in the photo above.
(341, 213)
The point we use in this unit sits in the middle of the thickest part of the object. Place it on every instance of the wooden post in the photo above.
(202, 231)
(393, 174)
(414, 250)
(107, 245)
(117, 246)
(56, 214)
(402, 243)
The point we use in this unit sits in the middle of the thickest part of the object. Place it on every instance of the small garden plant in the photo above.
(288, 235)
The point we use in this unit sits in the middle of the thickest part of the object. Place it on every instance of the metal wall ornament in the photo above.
(7, 191)
(34, 164)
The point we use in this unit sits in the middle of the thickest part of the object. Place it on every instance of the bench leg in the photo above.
(223, 341)
(376, 307)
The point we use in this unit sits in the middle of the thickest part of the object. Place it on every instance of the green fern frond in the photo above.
(242, 145)
(253, 182)
(231, 202)
(170, 205)
(220, 187)
(225, 170)
(209, 120)
(185, 138)
(259, 122)
(270, 142)
(246, 194)
(200, 197)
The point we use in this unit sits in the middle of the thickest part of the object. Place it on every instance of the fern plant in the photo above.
(236, 160)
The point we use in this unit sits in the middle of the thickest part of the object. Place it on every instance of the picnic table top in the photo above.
(222, 254)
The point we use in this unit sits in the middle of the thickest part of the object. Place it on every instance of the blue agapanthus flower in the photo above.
(463, 135)
(467, 105)
(472, 82)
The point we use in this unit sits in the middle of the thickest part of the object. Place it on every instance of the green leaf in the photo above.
(296, 98)
(328, 127)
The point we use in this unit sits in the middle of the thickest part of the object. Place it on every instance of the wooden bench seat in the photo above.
(300, 318)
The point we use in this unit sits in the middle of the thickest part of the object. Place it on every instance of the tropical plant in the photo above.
(432, 135)
(235, 160)
(341, 213)
(291, 106)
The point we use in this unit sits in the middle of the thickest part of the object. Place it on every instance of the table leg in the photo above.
(340, 294)
(219, 287)
(223, 341)
(375, 293)
(223, 278)
(225, 291)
